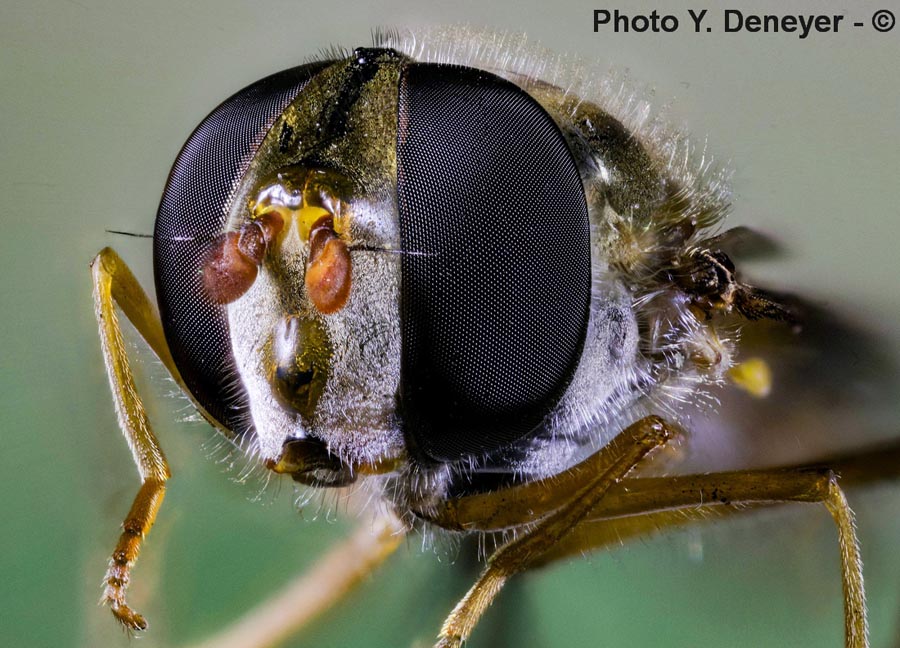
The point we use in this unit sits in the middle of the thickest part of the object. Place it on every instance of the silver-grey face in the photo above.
(355, 414)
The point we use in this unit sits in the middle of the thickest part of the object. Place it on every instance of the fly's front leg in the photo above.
(612, 463)
(115, 285)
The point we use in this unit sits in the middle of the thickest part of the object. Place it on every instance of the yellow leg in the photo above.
(629, 508)
(334, 576)
(524, 503)
(114, 285)
(617, 460)
(640, 507)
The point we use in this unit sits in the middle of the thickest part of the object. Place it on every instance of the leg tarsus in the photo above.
(138, 523)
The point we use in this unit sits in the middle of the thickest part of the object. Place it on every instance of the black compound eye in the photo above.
(495, 300)
(191, 217)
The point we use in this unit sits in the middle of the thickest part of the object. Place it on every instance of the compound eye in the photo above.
(494, 316)
(302, 354)
(190, 235)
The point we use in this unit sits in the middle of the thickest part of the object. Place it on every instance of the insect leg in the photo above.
(115, 285)
(524, 503)
(640, 507)
(334, 576)
(632, 445)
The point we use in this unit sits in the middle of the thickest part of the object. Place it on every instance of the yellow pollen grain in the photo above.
(753, 376)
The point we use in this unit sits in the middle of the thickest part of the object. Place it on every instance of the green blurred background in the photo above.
(97, 97)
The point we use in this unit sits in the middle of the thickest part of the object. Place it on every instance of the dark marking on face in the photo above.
(285, 138)
(361, 70)
(618, 332)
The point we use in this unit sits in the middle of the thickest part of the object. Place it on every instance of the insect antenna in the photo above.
(371, 248)
(134, 234)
